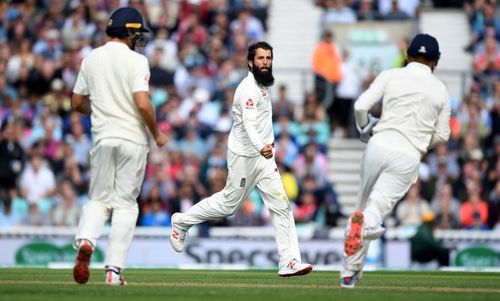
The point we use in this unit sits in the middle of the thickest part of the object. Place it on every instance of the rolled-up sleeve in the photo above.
(81, 85)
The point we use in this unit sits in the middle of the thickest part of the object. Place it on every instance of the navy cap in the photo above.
(424, 45)
(126, 18)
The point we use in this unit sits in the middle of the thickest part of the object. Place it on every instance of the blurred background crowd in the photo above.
(197, 56)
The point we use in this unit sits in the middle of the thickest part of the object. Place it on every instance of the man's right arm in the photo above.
(369, 98)
(80, 98)
(145, 108)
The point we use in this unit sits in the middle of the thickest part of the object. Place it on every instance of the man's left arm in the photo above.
(442, 128)
(81, 103)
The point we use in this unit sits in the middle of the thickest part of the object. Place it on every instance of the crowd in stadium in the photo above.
(197, 57)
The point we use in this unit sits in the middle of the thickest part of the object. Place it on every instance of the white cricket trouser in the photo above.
(386, 175)
(245, 173)
(117, 168)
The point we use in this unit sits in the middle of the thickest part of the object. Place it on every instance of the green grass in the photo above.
(46, 284)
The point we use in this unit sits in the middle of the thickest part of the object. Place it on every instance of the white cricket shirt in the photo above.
(110, 75)
(415, 104)
(252, 119)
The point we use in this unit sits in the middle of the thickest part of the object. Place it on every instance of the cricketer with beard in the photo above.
(251, 165)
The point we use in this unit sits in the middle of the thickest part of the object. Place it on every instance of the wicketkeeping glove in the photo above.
(365, 132)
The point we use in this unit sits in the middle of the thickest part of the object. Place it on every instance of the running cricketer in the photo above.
(112, 87)
(250, 165)
(415, 118)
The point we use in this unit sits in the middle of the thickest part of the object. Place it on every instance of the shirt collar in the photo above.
(419, 66)
(250, 74)
(117, 44)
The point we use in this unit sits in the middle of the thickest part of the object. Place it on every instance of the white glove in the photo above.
(365, 133)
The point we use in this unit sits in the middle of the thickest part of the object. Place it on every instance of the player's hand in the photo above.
(267, 151)
(365, 133)
(161, 139)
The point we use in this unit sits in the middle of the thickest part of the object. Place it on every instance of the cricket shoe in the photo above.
(350, 282)
(354, 235)
(81, 271)
(114, 276)
(177, 235)
(295, 268)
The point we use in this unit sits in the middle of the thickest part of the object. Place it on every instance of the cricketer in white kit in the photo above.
(415, 118)
(250, 165)
(112, 87)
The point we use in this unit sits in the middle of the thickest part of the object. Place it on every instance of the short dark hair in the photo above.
(252, 49)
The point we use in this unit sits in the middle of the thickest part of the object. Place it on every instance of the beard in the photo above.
(263, 78)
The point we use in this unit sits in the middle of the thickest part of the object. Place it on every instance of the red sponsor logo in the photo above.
(291, 265)
(175, 234)
(249, 103)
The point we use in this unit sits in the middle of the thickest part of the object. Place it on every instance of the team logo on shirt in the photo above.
(263, 93)
(249, 103)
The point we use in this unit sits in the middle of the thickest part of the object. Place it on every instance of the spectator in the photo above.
(66, 211)
(50, 48)
(191, 30)
(474, 212)
(56, 100)
(367, 11)
(337, 11)
(154, 214)
(160, 76)
(485, 26)
(193, 145)
(36, 216)
(446, 209)
(424, 247)
(37, 171)
(286, 150)
(488, 61)
(8, 217)
(395, 13)
(400, 60)
(409, 7)
(247, 216)
(80, 143)
(23, 58)
(283, 106)
(471, 149)
(494, 206)
(247, 24)
(305, 207)
(471, 175)
(11, 156)
(311, 163)
(410, 210)
(439, 158)
(348, 90)
(313, 126)
(326, 65)
(289, 180)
